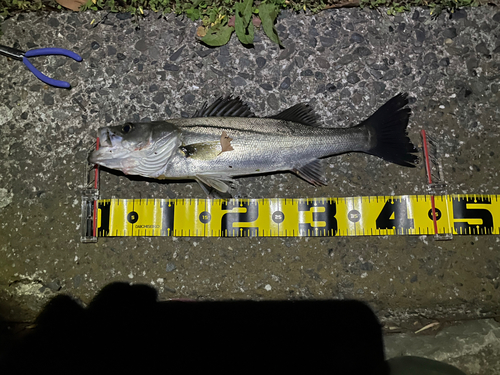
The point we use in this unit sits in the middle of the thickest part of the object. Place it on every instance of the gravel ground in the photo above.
(346, 63)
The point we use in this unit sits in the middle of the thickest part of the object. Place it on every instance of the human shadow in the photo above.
(125, 329)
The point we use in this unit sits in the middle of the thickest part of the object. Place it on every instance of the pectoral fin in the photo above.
(312, 173)
(202, 151)
(213, 193)
(215, 181)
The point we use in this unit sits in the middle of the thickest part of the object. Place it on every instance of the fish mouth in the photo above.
(93, 157)
(105, 138)
(107, 141)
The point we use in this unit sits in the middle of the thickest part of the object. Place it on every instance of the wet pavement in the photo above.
(346, 63)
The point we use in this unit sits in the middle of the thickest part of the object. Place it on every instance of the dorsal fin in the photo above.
(301, 113)
(225, 107)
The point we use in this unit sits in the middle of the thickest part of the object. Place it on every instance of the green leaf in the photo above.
(193, 14)
(243, 24)
(268, 14)
(213, 17)
(218, 36)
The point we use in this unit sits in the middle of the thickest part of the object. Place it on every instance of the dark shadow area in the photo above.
(11, 334)
(125, 329)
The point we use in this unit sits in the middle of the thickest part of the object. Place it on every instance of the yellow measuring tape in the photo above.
(324, 217)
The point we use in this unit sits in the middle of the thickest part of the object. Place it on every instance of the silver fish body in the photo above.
(193, 148)
(260, 145)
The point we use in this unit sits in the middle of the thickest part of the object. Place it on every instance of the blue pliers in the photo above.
(17, 54)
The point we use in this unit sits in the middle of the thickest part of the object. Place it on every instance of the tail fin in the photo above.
(387, 129)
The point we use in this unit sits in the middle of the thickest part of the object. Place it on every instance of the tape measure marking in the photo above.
(312, 217)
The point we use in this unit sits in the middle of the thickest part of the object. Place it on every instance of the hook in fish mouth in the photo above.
(105, 138)
(108, 137)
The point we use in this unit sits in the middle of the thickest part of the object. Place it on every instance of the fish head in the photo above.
(135, 148)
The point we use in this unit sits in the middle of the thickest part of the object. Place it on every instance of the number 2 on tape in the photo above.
(230, 218)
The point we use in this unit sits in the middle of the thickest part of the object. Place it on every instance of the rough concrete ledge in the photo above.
(472, 346)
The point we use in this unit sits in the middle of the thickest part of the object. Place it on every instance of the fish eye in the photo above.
(126, 128)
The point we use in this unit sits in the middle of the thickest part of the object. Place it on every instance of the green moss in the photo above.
(197, 9)
(436, 7)
(215, 14)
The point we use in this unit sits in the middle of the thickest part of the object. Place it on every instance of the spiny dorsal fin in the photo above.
(225, 107)
(312, 173)
(301, 113)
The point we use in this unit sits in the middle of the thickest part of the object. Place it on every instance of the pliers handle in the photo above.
(23, 56)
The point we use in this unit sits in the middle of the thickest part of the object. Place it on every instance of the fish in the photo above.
(225, 140)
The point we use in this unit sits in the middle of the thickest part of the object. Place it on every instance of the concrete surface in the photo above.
(471, 346)
(345, 62)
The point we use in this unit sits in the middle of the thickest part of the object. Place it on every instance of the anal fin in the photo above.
(312, 173)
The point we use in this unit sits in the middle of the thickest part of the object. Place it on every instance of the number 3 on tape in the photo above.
(325, 217)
